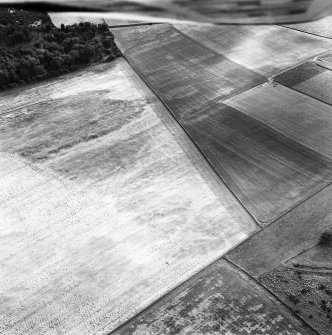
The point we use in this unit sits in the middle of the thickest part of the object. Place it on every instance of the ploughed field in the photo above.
(182, 189)
(255, 101)
(108, 205)
(268, 171)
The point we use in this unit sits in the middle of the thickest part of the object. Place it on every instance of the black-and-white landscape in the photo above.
(181, 186)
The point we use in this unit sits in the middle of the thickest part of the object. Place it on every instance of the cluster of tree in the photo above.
(15, 34)
(30, 53)
(10, 16)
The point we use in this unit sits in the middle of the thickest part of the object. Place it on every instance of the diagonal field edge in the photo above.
(165, 103)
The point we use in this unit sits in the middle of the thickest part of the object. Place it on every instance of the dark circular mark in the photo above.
(293, 299)
(326, 238)
(305, 290)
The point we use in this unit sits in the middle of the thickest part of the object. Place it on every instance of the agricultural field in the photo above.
(183, 188)
(266, 50)
(310, 78)
(322, 27)
(305, 120)
(219, 300)
(274, 113)
(267, 171)
(95, 149)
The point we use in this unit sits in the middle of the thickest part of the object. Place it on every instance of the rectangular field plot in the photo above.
(299, 117)
(297, 230)
(264, 49)
(309, 78)
(267, 171)
(219, 300)
(181, 69)
(105, 204)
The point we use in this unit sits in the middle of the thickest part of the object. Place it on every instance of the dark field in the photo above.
(311, 79)
(306, 291)
(267, 171)
(220, 300)
(303, 119)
